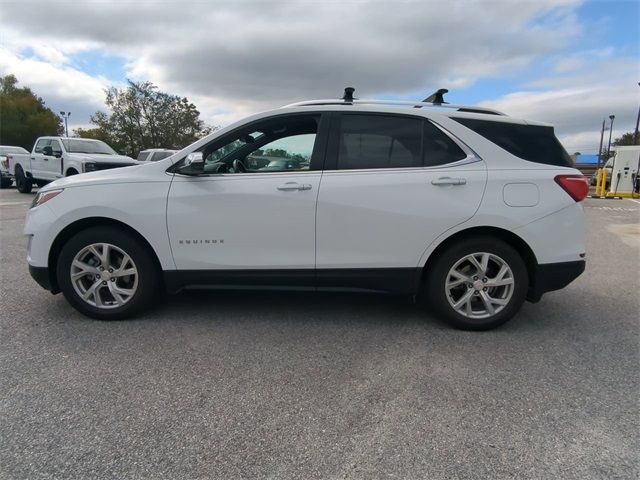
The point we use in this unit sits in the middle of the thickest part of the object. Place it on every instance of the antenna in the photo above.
(437, 98)
(348, 94)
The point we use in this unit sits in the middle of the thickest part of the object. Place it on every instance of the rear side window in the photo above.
(161, 155)
(439, 149)
(379, 141)
(143, 156)
(530, 142)
(55, 147)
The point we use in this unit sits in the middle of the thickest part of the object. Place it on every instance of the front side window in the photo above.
(40, 145)
(275, 145)
(379, 141)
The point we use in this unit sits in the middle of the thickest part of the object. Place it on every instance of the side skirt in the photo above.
(391, 280)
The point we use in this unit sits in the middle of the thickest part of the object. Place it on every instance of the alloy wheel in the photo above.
(104, 276)
(479, 285)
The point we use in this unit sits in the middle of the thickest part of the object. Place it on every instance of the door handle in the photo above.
(449, 181)
(45, 159)
(292, 186)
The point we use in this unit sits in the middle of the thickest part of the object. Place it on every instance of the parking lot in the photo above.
(220, 384)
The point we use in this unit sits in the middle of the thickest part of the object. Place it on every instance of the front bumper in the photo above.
(43, 278)
(553, 276)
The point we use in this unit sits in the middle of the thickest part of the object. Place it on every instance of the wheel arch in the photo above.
(71, 169)
(510, 238)
(83, 224)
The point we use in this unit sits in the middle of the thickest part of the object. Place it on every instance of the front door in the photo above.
(393, 184)
(254, 206)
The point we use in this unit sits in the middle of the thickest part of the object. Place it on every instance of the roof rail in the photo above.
(460, 108)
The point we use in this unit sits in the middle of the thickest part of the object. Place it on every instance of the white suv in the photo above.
(472, 210)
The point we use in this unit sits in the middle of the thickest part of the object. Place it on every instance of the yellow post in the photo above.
(599, 182)
(603, 187)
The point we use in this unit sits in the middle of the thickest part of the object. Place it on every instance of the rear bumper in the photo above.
(553, 276)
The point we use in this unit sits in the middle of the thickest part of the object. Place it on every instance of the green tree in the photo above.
(143, 117)
(23, 115)
(625, 139)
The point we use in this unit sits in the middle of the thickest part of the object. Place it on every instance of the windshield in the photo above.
(78, 145)
(5, 150)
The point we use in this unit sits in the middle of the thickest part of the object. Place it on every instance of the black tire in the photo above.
(148, 274)
(23, 183)
(439, 297)
(41, 183)
(70, 172)
(5, 182)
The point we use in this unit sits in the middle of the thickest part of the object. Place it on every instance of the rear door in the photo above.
(392, 184)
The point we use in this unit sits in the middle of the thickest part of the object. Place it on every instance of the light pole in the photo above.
(600, 148)
(611, 117)
(635, 134)
(66, 126)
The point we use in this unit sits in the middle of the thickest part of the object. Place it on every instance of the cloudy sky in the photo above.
(568, 62)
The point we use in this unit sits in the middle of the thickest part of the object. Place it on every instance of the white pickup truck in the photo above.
(56, 157)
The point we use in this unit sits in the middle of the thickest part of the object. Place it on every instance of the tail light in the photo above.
(576, 186)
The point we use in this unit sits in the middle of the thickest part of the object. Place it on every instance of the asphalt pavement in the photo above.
(220, 384)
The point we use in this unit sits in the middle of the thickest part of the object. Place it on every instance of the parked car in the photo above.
(467, 208)
(57, 157)
(6, 154)
(154, 154)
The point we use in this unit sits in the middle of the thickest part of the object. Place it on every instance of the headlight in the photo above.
(44, 197)
(89, 166)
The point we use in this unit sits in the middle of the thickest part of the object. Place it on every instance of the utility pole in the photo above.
(601, 140)
(66, 126)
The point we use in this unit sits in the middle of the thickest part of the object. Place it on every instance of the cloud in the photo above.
(577, 102)
(233, 58)
(62, 88)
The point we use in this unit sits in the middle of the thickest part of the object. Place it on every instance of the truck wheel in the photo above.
(23, 184)
(41, 183)
(478, 283)
(5, 182)
(70, 172)
(107, 274)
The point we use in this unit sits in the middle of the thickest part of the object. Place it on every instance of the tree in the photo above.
(625, 139)
(143, 117)
(23, 115)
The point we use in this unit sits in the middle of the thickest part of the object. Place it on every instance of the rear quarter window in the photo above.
(534, 143)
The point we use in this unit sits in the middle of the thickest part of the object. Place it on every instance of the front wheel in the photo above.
(107, 274)
(23, 184)
(478, 283)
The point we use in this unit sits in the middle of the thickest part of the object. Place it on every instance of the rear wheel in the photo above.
(23, 183)
(478, 283)
(5, 182)
(107, 274)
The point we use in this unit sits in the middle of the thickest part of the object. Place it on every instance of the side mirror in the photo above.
(47, 151)
(193, 164)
